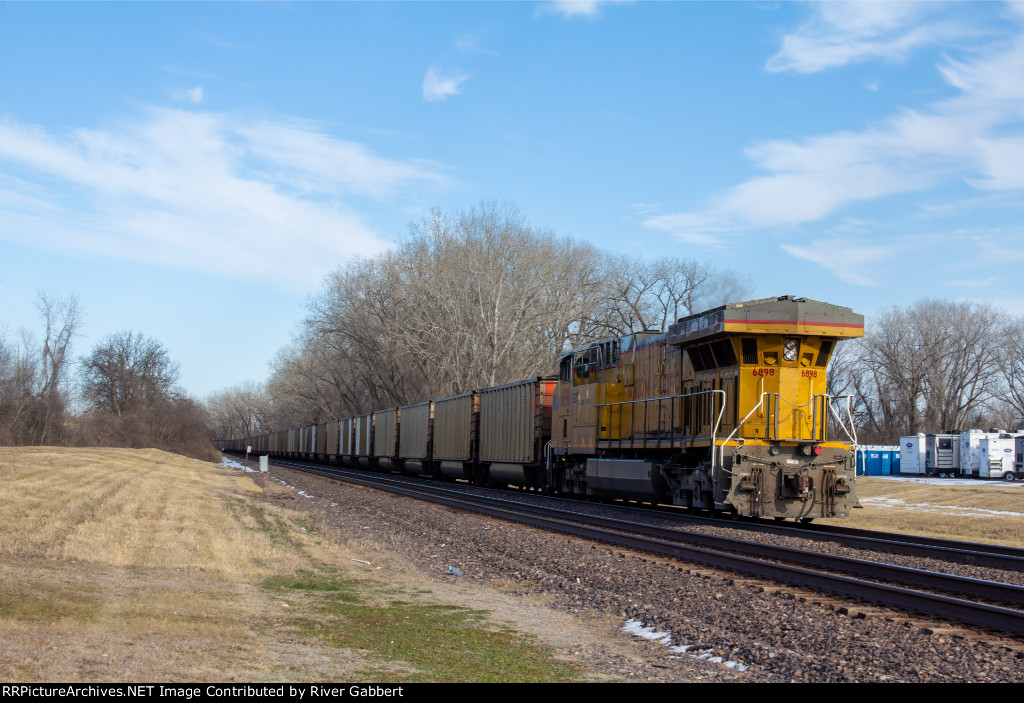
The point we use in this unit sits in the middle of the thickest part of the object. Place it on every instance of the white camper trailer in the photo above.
(912, 454)
(997, 455)
(970, 451)
(942, 454)
(1018, 464)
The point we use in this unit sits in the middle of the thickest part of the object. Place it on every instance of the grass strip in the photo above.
(417, 642)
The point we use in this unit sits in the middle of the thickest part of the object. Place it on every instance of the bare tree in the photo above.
(653, 294)
(129, 381)
(479, 300)
(353, 351)
(931, 367)
(239, 411)
(17, 390)
(469, 299)
(61, 319)
(127, 371)
(35, 378)
(1011, 366)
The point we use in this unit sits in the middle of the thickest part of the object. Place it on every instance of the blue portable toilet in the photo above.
(878, 460)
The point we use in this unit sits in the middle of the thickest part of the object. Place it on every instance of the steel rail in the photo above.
(974, 553)
(979, 548)
(962, 585)
(997, 617)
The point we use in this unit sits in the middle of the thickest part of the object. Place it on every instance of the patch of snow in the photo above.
(232, 464)
(637, 629)
(958, 510)
(972, 482)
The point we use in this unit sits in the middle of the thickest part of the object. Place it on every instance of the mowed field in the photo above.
(961, 509)
(139, 565)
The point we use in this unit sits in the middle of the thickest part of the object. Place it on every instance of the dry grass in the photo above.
(977, 511)
(138, 565)
(134, 508)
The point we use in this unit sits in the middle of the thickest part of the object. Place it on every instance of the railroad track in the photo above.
(996, 556)
(946, 595)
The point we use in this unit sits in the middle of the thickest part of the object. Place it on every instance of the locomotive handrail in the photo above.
(659, 400)
(721, 450)
(849, 413)
(826, 399)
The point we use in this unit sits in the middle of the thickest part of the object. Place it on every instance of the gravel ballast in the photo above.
(745, 630)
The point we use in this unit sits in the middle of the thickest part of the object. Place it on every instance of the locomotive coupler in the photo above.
(797, 486)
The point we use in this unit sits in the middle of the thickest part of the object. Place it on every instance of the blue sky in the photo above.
(192, 170)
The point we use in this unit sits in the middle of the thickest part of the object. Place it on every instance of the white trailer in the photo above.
(997, 457)
(942, 454)
(1018, 464)
(912, 454)
(970, 451)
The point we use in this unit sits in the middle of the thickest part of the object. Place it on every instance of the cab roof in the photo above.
(782, 315)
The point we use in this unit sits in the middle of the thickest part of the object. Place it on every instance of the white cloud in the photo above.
(471, 45)
(199, 191)
(846, 260)
(841, 33)
(576, 8)
(312, 161)
(579, 8)
(189, 95)
(438, 87)
(645, 208)
(694, 228)
(975, 138)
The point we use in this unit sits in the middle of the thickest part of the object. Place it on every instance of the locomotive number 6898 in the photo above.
(727, 410)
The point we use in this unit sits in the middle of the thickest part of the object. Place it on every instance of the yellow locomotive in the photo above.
(726, 411)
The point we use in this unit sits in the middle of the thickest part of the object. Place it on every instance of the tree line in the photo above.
(477, 298)
(934, 366)
(124, 393)
(468, 299)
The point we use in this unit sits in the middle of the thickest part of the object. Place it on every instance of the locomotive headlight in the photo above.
(789, 349)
